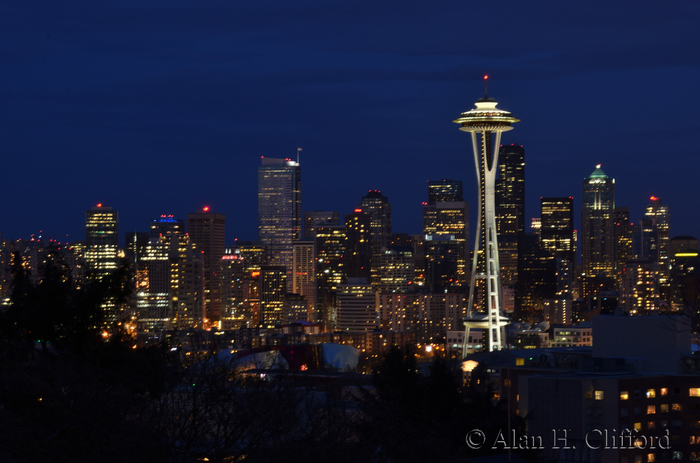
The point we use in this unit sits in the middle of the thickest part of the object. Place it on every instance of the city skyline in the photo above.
(157, 110)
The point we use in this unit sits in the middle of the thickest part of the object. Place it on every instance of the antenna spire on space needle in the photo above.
(486, 123)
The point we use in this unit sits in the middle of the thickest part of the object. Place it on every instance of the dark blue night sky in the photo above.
(162, 107)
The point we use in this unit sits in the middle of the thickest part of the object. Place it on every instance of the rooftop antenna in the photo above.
(486, 87)
(298, 150)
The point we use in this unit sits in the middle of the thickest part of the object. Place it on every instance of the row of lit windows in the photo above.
(652, 409)
(651, 393)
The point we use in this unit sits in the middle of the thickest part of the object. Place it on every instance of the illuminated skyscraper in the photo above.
(510, 209)
(660, 217)
(597, 218)
(445, 191)
(357, 307)
(316, 218)
(397, 270)
(101, 240)
(304, 275)
(623, 239)
(377, 206)
(207, 231)
(510, 192)
(330, 245)
(486, 123)
(279, 210)
(273, 287)
(446, 235)
(557, 231)
(358, 244)
(185, 276)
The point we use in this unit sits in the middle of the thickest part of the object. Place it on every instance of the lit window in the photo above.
(637, 426)
(651, 393)
(695, 392)
(598, 395)
(651, 409)
(651, 425)
(664, 391)
(676, 407)
(651, 458)
(624, 395)
(664, 408)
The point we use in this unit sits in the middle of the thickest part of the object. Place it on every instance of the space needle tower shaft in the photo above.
(486, 123)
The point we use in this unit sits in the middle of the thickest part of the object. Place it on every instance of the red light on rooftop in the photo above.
(486, 77)
(99, 205)
(205, 208)
(654, 198)
(358, 210)
(255, 274)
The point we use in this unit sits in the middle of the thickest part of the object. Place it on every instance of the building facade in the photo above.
(279, 210)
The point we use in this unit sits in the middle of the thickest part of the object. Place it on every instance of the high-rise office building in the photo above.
(510, 209)
(624, 231)
(357, 307)
(445, 191)
(185, 277)
(639, 288)
(358, 244)
(279, 210)
(378, 207)
(101, 240)
(304, 275)
(510, 191)
(330, 271)
(597, 219)
(167, 226)
(557, 231)
(207, 231)
(537, 278)
(273, 287)
(397, 270)
(233, 281)
(446, 235)
(685, 272)
(316, 218)
(557, 237)
(153, 286)
(660, 217)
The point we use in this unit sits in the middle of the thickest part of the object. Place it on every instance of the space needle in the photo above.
(486, 123)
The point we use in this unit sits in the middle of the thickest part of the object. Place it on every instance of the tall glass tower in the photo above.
(597, 215)
(279, 210)
(101, 240)
(486, 123)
